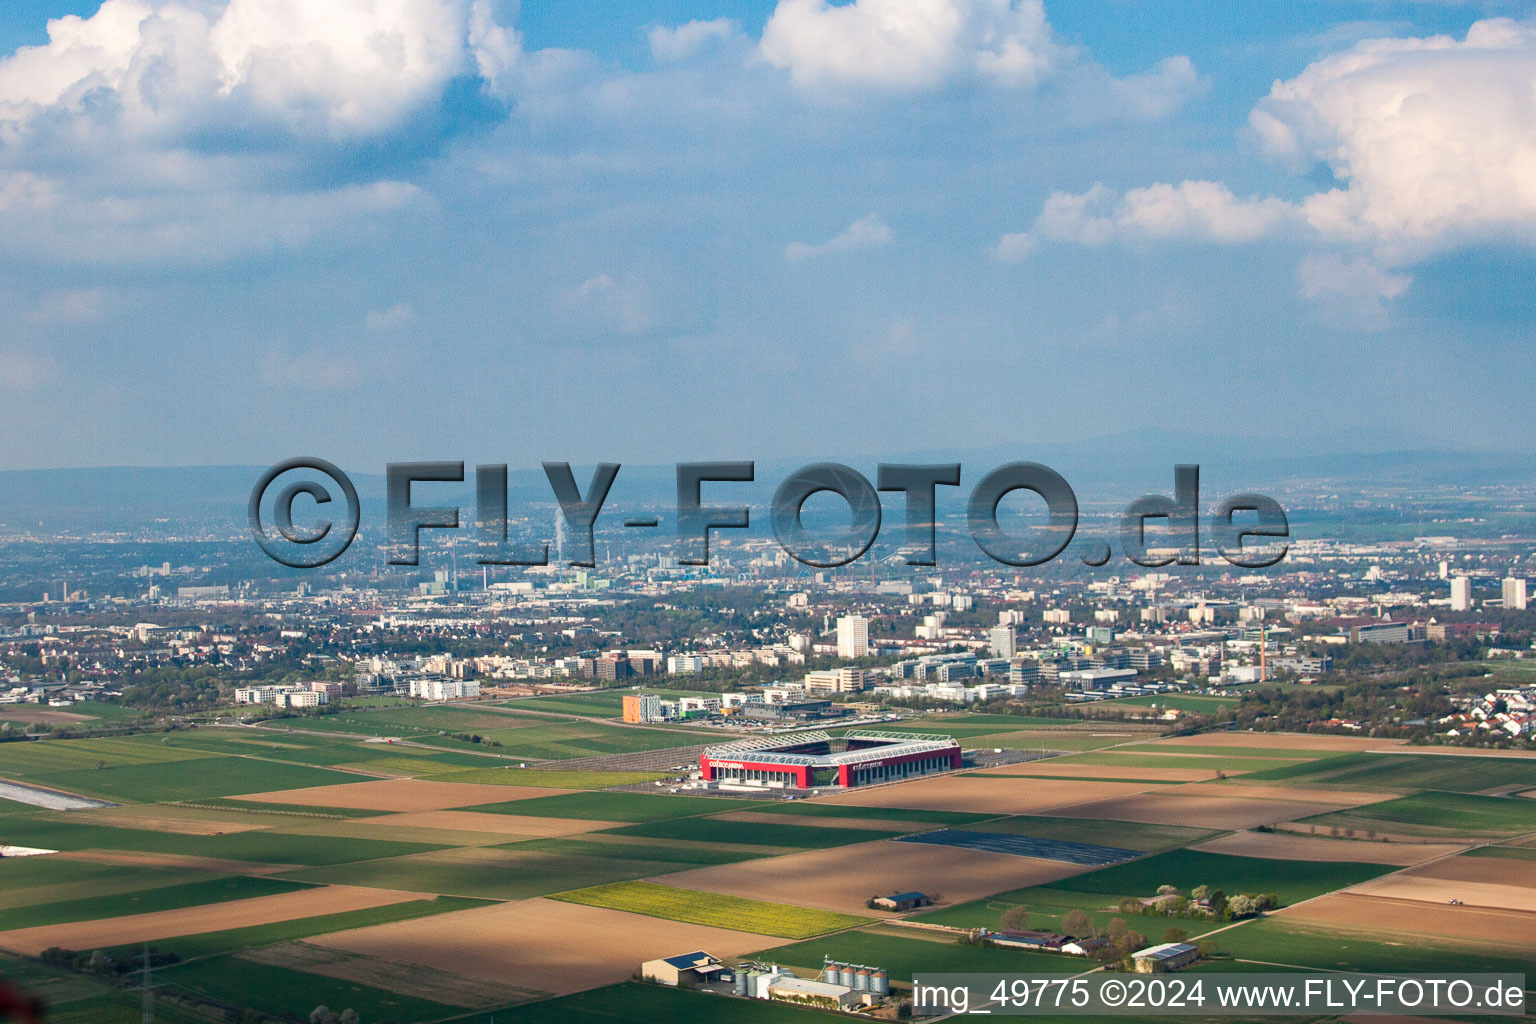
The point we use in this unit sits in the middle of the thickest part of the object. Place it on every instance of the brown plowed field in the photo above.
(1287, 846)
(164, 924)
(1380, 917)
(541, 944)
(400, 795)
(846, 877)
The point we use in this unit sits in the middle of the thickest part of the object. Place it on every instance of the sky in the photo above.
(234, 231)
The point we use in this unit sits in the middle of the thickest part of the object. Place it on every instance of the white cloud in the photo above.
(1435, 139)
(1201, 210)
(606, 304)
(1351, 291)
(867, 233)
(682, 42)
(342, 68)
(390, 319)
(907, 45)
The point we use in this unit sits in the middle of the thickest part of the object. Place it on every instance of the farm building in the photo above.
(903, 901)
(1170, 956)
(815, 759)
(687, 968)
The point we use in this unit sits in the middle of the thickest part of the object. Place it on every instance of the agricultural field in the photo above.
(753, 833)
(288, 869)
(1136, 835)
(715, 909)
(1200, 705)
(628, 807)
(1440, 815)
(1455, 773)
(1291, 881)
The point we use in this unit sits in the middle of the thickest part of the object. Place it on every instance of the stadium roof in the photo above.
(892, 744)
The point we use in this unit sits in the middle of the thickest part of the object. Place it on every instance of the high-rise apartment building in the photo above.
(853, 636)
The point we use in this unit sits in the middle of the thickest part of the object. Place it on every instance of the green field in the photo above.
(1438, 814)
(753, 833)
(813, 809)
(712, 909)
(144, 901)
(1504, 852)
(930, 953)
(1290, 880)
(235, 939)
(1130, 835)
(1226, 763)
(1275, 940)
(1200, 705)
(678, 852)
(154, 782)
(631, 807)
(1451, 773)
(288, 993)
(1048, 909)
(262, 847)
(512, 872)
(549, 778)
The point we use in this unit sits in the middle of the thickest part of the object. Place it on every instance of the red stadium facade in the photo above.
(814, 760)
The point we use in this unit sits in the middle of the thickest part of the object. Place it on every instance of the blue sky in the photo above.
(237, 230)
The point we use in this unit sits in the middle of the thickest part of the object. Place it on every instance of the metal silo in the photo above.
(845, 976)
(880, 982)
(861, 980)
(829, 972)
(741, 982)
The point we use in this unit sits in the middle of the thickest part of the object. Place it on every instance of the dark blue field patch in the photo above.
(1025, 846)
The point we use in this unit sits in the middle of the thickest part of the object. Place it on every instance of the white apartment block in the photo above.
(853, 636)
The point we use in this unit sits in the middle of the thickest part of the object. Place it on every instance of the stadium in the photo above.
(814, 759)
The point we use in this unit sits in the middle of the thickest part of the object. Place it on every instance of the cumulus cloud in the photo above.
(606, 304)
(343, 68)
(682, 42)
(1353, 291)
(1202, 210)
(867, 233)
(1433, 141)
(907, 45)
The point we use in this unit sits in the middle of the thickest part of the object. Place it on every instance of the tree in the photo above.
(1218, 902)
(1200, 892)
(1242, 905)
(1117, 927)
(1167, 890)
(322, 1014)
(349, 1016)
(1077, 923)
(1175, 934)
(1015, 919)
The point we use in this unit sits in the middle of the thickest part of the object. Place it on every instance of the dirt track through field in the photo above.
(845, 878)
(1288, 846)
(1339, 798)
(886, 825)
(541, 944)
(165, 924)
(401, 795)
